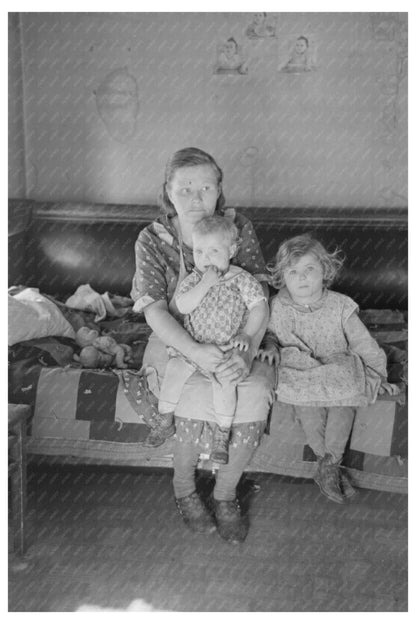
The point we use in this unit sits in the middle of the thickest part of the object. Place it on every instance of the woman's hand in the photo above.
(208, 356)
(235, 368)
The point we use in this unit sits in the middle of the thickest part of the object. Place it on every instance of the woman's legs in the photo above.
(230, 474)
(193, 512)
(185, 459)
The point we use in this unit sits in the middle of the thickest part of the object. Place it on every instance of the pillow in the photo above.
(31, 315)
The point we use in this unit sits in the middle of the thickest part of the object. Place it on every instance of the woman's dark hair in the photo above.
(304, 39)
(189, 157)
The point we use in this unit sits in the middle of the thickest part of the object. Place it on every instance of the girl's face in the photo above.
(304, 279)
(212, 250)
(194, 192)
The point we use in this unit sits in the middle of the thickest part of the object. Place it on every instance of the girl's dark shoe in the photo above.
(328, 479)
(219, 453)
(230, 524)
(194, 514)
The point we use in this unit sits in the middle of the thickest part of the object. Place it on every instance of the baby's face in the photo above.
(259, 18)
(300, 46)
(212, 250)
(230, 48)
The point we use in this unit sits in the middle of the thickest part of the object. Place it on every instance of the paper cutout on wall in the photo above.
(262, 26)
(230, 58)
(301, 57)
(117, 103)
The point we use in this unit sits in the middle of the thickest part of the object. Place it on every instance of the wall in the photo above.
(108, 97)
(16, 147)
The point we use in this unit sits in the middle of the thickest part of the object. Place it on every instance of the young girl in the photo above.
(328, 363)
(223, 305)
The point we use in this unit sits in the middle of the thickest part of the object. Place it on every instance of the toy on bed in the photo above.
(101, 351)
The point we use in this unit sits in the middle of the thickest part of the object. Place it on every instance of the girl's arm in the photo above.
(361, 342)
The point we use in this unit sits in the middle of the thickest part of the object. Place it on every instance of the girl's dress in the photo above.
(327, 356)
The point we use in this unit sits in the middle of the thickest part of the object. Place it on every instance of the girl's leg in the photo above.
(338, 429)
(313, 421)
(315, 425)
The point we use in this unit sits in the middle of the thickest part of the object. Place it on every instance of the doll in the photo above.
(100, 351)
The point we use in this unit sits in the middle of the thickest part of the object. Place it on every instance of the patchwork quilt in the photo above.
(101, 415)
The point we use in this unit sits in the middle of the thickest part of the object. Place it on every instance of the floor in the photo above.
(111, 539)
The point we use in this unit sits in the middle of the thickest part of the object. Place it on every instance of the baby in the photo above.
(299, 59)
(328, 363)
(223, 305)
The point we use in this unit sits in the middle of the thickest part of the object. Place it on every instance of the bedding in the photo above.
(32, 315)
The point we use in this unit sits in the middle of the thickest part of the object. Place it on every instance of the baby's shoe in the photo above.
(346, 486)
(219, 453)
(161, 431)
(328, 479)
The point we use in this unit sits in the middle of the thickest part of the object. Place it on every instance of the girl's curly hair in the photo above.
(189, 157)
(294, 248)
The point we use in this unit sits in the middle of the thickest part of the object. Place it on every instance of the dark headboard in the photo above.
(58, 246)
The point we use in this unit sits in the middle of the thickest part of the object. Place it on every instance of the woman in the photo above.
(191, 191)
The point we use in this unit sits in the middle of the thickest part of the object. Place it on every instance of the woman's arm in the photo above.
(167, 328)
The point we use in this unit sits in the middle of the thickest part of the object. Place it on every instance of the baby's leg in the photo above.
(176, 375)
(225, 402)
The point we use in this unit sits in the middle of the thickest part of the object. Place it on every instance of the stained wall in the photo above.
(108, 97)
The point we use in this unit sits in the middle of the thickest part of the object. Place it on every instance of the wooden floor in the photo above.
(107, 538)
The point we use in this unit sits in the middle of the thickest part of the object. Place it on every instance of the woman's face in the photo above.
(194, 192)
